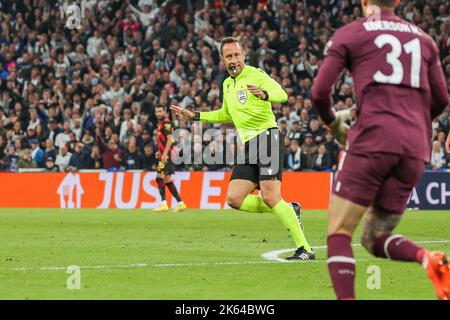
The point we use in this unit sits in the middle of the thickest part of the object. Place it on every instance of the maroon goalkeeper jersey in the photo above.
(399, 83)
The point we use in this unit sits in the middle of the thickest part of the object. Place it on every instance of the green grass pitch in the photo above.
(211, 254)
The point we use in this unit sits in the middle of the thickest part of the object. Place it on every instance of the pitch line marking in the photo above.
(158, 265)
(275, 255)
(271, 257)
(116, 266)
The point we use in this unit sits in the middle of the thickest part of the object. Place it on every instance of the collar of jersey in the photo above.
(243, 72)
(387, 13)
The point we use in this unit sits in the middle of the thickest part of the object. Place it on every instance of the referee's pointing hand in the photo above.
(257, 92)
(183, 113)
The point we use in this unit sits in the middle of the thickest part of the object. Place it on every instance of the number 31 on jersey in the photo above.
(412, 47)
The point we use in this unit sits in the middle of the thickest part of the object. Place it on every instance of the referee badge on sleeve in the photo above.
(242, 96)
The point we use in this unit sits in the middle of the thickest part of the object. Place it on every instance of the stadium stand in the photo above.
(84, 99)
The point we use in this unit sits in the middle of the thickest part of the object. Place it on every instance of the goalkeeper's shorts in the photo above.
(380, 180)
(264, 157)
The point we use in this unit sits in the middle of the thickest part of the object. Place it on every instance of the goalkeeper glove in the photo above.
(339, 127)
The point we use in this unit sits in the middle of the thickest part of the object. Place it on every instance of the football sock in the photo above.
(396, 247)
(162, 188)
(254, 203)
(173, 190)
(286, 213)
(341, 266)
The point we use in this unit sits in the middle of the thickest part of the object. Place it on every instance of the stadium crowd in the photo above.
(85, 98)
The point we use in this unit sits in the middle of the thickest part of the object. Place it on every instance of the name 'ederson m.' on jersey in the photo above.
(249, 114)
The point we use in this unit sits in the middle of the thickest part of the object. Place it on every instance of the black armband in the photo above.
(266, 95)
(196, 116)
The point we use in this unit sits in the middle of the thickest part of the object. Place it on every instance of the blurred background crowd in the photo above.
(85, 98)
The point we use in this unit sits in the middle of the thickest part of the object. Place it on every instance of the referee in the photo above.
(247, 97)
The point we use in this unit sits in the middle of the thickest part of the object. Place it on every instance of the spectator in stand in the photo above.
(145, 140)
(53, 129)
(33, 118)
(10, 159)
(309, 149)
(71, 144)
(116, 120)
(441, 138)
(127, 124)
(95, 160)
(63, 137)
(37, 153)
(295, 133)
(128, 134)
(50, 150)
(316, 130)
(288, 116)
(333, 149)
(88, 140)
(63, 158)
(26, 161)
(112, 158)
(284, 129)
(41, 134)
(304, 121)
(79, 159)
(321, 160)
(50, 165)
(29, 135)
(296, 159)
(132, 158)
(149, 161)
(437, 157)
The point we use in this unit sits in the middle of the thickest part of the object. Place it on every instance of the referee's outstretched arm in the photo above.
(273, 89)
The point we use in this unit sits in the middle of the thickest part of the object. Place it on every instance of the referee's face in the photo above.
(233, 56)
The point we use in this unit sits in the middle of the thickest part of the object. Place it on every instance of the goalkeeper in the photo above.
(247, 98)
